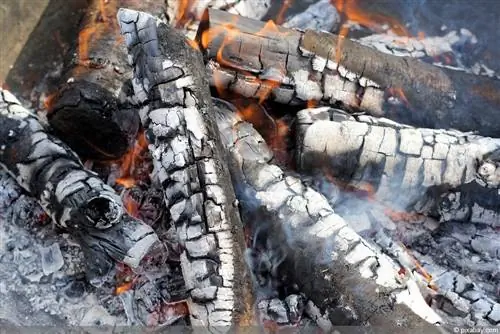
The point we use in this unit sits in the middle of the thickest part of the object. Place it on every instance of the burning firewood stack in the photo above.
(204, 168)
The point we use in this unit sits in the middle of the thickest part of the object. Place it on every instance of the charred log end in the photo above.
(127, 242)
(103, 212)
(92, 121)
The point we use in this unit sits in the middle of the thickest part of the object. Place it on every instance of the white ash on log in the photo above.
(96, 86)
(294, 67)
(43, 283)
(169, 81)
(458, 173)
(321, 15)
(75, 198)
(437, 253)
(348, 280)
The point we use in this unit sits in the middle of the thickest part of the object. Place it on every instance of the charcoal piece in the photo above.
(189, 163)
(93, 110)
(92, 123)
(445, 173)
(75, 198)
(52, 259)
(349, 280)
(321, 15)
(294, 67)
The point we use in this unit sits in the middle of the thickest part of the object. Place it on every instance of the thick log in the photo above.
(75, 198)
(453, 175)
(299, 239)
(170, 82)
(96, 86)
(294, 67)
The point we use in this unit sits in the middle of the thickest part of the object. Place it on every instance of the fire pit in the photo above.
(195, 164)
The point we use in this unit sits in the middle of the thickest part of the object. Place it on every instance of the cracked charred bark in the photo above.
(293, 67)
(459, 173)
(72, 196)
(311, 245)
(169, 81)
(96, 86)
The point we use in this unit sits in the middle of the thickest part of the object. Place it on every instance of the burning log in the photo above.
(308, 243)
(262, 60)
(458, 172)
(72, 196)
(92, 110)
(189, 163)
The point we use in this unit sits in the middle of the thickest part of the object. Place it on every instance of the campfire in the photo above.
(197, 164)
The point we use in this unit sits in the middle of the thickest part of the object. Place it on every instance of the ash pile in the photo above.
(190, 165)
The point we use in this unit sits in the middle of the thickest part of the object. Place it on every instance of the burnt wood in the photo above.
(293, 67)
(92, 110)
(304, 242)
(448, 174)
(177, 114)
(75, 198)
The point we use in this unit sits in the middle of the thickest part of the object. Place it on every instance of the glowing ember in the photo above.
(402, 216)
(166, 311)
(125, 278)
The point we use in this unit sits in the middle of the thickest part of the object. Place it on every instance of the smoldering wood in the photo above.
(459, 260)
(75, 198)
(458, 173)
(301, 240)
(169, 81)
(95, 87)
(294, 67)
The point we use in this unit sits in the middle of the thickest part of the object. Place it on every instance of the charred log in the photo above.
(189, 164)
(458, 172)
(294, 67)
(298, 235)
(96, 87)
(75, 198)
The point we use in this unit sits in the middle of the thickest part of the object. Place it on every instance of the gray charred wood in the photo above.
(294, 67)
(310, 244)
(450, 174)
(170, 82)
(75, 198)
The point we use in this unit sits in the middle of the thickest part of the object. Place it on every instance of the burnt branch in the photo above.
(169, 81)
(92, 110)
(75, 198)
(293, 67)
(458, 172)
(305, 240)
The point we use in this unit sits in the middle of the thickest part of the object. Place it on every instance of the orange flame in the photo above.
(280, 18)
(400, 95)
(129, 162)
(373, 21)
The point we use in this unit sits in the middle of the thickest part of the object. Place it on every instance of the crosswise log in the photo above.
(92, 109)
(459, 173)
(169, 81)
(305, 241)
(294, 67)
(75, 198)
